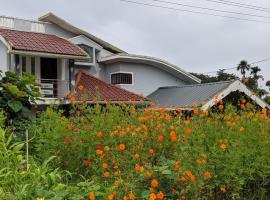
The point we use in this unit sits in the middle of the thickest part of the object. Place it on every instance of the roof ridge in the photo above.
(200, 84)
(112, 85)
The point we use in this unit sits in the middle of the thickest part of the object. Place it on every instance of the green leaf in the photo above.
(16, 106)
(167, 172)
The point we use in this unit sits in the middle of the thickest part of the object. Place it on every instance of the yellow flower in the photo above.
(40, 198)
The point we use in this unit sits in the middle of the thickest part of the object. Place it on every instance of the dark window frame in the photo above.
(122, 78)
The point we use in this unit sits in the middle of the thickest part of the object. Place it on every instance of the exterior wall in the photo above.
(26, 25)
(146, 78)
(56, 30)
(3, 58)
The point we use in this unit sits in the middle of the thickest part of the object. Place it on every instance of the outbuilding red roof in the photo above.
(98, 90)
(40, 42)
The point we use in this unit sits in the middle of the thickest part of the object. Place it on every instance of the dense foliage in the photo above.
(16, 96)
(151, 154)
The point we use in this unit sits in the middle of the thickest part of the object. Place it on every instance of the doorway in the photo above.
(48, 76)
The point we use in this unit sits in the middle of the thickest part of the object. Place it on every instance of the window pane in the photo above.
(121, 78)
(33, 69)
(23, 64)
(17, 63)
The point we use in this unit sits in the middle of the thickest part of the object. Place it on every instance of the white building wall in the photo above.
(146, 78)
(3, 58)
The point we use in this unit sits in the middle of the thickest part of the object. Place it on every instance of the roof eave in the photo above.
(49, 55)
(119, 57)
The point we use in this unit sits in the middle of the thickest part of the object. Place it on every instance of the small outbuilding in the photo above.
(204, 96)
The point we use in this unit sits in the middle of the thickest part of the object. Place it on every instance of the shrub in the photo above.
(151, 154)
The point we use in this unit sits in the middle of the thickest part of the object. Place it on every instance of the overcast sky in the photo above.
(196, 43)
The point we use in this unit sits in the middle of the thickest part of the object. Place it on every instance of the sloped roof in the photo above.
(183, 96)
(97, 89)
(156, 62)
(39, 42)
(52, 18)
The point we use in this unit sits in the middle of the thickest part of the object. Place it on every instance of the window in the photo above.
(38, 27)
(121, 78)
(33, 69)
(89, 50)
(23, 64)
(6, 22)
(17, 63)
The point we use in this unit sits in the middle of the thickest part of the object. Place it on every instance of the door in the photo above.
(48, 75)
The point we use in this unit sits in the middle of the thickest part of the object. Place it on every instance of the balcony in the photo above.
(53, 88)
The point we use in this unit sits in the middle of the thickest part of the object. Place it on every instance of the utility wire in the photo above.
(240, 5)
(243, 4)
(209, 9)
(231, 68)
(192, 11)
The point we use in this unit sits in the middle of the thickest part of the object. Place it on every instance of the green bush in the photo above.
(151, 153)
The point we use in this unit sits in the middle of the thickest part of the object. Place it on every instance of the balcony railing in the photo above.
(53, 88)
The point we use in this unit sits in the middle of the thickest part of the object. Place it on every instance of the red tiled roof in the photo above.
(39, 42)
(98, 89)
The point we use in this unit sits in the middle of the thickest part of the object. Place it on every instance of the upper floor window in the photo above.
(38, 27)
(89, 50)
(121, 78)
(6, 22)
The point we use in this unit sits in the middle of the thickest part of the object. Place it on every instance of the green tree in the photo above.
(17, 95)
(243, 67)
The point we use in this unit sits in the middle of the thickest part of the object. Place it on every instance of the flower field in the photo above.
(119, 152)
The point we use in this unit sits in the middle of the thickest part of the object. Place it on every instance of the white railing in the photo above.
(53, 88)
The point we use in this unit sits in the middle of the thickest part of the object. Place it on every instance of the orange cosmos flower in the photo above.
(173, 136)
(152, 196)
(116, 173)
(223, 146)
(99, 152)
(131, 196)
(160, 195)
(106, 148)
(242, 129)
(92, 196)
(105, 165)
(100, 134)
(207, 174)
(177, 165)
(154, 183)
(107, 174)
(188, 131)
(189, 175)
(121, 147)
(160, 138)
(139, 168)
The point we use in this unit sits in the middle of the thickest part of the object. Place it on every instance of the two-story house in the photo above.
(61, 56)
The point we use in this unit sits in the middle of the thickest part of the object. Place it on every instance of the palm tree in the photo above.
(243, 67)
(255, 71)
